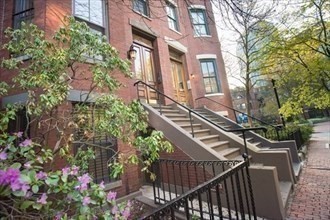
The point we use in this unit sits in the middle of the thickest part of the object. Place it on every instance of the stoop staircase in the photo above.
(205, 135)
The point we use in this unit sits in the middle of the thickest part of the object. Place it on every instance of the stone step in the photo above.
(209, 139)
(181, 121)
(218, 146)
(170, 111)
(187, 126)
(201, 132)
(155, 106)
(230, 153)
(175, 115)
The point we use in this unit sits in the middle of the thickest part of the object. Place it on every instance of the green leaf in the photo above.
(26, 204)
(35, 189)
(16, 165)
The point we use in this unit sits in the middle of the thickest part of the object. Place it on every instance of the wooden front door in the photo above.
(144, 71)
(179, 82)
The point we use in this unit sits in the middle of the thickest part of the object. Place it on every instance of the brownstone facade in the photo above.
(178, 50)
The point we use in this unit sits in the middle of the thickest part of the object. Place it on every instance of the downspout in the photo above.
(2, 20)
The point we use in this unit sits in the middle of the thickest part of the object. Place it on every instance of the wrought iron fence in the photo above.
(202, 190)
(87, 137)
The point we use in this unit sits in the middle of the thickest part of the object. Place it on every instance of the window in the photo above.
(104, 146)
(209, 71)
(92, 12)
(172, 16)
(199, 22)
(141, 6)
(23, 12)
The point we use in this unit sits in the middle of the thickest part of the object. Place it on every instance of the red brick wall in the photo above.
(49, 16)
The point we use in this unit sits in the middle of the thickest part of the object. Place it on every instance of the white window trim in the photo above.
(173, 3)
(176, 44)
(214, 94)
(197, 7)
(206, 56)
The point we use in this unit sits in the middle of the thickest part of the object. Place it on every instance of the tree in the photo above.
(249, 22)
(299, 59)
(34, 188)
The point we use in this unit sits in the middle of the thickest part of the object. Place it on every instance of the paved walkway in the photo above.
(311, 199)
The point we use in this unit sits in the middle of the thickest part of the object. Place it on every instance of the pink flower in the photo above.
(102, 185)
(3, 155)
(74, 170)
(26, 143)
(27, 165)
(111, 196)
(25, 187)
(84, 181)
(86, 200)
(42, 199)
(114, 210)
(126, 213)
(19, 134)
(66, 171)
(41, 175)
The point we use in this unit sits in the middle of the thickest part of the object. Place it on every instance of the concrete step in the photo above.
(201, 132)
(187, 126)
(297, 167)
(175, 115)
(155, 106)
(209, 139)
(286, 189)
(170, 111)
(181, 121)
(219, 146)
(230, 153)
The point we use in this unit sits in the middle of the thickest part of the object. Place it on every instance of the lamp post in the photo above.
(278, 101)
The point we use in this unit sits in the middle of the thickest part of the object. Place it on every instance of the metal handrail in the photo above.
(182, 200)
(249, 116)
(190, 111)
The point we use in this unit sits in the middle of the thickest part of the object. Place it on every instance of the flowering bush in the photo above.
(27, 190)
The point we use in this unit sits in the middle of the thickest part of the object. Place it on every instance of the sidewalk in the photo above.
(311, 198)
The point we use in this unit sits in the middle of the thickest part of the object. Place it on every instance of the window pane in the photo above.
(138, 64)
(199, 21)
(90, 10)
(149, 68)
(140, 6)
(210, 76)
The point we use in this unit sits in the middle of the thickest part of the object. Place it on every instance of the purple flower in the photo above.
(27, 165)
(102, 185)
(58, 215)
(84, 181)
(26, 143)
(126, 213)
(114, 210)
(42, 199)
(12, 175)
(86, 200)
(66, 171)
(41, 175)
(3, 155)
(111, 196)
(25, 187)
(74, 170)
(19, 134)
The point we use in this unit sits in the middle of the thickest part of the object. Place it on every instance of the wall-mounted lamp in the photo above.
(192, 76)
(132, 53)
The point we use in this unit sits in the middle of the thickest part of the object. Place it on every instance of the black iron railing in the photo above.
(192, 112)
(274, 132)
(202, 190)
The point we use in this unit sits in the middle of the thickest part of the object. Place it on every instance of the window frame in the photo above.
(205, 21)
(175, 19)
(145, 4)
(101, 28)
(25, 10)
(216, 76)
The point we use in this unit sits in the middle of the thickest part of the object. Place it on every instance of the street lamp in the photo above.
(278, 101)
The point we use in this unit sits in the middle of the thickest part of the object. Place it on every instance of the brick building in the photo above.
(176, 43)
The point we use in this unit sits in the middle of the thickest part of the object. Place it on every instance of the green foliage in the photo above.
(299, 59)
(73, 57)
